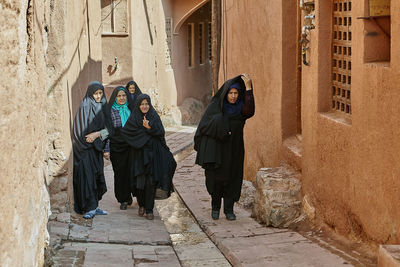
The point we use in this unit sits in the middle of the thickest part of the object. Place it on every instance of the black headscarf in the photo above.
(151, 153)
(90, 117)
(133, 96)
(134, 132)
(214, 125)
(235, 108)
(219, 141)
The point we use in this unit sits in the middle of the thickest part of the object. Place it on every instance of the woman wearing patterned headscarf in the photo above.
(219, 143)
(117, 150)
(88, 141)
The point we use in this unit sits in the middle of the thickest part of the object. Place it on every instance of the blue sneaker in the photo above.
(101, 212)
(89, 214)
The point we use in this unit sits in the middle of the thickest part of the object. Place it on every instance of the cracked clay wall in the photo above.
(50, 50)
(24, 202)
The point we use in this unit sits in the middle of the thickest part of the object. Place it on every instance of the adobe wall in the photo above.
(350, 163)
(261, 40)
(50, 53)
(120, 46)
(149, 51)
(24, 200)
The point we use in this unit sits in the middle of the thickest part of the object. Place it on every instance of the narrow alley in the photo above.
(183, 233)
(297, 106)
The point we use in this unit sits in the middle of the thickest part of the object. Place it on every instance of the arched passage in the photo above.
(184, 9)
(191, 57)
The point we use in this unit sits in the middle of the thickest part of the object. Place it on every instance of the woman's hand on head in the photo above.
(106, 155)
(247, 81)
(92, 136)
(146, 123)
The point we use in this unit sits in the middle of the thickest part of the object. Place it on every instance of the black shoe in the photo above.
(215, 214)
(230, 216)
(123, 206)
(149, 216)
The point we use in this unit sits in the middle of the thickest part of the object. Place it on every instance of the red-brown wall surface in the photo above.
(259, 38)
(350, 163)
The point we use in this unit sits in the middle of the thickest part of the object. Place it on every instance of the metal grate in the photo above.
(341, 56)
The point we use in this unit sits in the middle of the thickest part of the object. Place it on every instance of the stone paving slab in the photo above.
(121, 238)
(96, 254)
(245, 242)
(190, 243)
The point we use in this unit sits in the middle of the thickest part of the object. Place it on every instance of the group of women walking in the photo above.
(128, 131)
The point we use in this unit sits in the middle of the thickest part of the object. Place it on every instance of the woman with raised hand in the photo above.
(90, 130)
(153, 165)
(117, 150)
(219, 143)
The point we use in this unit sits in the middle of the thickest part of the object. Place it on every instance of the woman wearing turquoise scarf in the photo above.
(117, 150)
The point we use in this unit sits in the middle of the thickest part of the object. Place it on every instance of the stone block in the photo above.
(59, 184)
(191, 110)
(59, 201)
(247, 195)
(64, 217)
(277, 199)
(78, 233)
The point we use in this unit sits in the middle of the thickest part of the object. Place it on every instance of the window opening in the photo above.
(190, 44)
(114, 16)
(201, 43)
(341, 56)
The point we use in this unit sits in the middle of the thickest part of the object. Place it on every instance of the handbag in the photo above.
(161, 194)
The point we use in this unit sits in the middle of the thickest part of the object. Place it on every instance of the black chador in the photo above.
(153, 166)
(133, 96)
(119, 150)
(219, 144)
(88, 175)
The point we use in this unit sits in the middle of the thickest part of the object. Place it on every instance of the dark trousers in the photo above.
(228, 204)
(145, 197)
(216, 199)
(122, 187)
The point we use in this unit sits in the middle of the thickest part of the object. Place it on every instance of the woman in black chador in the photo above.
(88, 140)
(133, 90)
(117, 149)
(219, 143)
(153, 164)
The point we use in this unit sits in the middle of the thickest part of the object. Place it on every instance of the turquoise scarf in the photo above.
(123, 110)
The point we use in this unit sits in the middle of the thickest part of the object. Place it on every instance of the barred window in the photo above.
(209, 41)
(341, 56)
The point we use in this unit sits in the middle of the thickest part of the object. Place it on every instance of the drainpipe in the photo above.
(215, 42)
